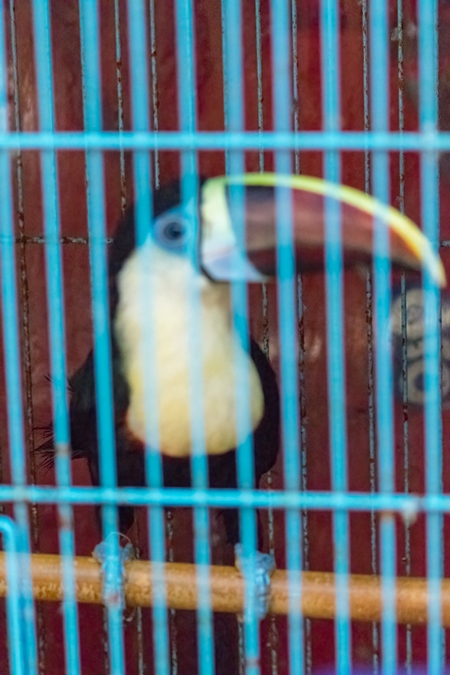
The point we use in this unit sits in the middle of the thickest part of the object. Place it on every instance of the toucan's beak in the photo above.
(251, 256)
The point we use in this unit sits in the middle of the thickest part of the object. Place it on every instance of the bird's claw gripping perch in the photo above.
(256, 568)
(112, 557)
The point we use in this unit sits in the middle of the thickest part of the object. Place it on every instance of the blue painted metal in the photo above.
(335, 332)
(90, 62)
(408, 506)
(234, 112)
(187, 111)
(228, 140)
(11, 344)
(144, 211)
(273, 630)
(379, 72)
(8, 529)
(428, 119)
(50, 190)
(284, 16)
(287, 312)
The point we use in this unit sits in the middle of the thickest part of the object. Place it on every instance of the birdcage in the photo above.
(104, 103)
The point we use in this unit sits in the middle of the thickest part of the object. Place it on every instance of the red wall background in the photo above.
(312, 328)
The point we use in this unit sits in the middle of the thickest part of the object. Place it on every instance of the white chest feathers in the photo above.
(154, 330)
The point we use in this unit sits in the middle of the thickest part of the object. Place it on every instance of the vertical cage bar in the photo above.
(273, 627)
(13, 614)
(234, 121)
(379, 73)
(11, 346)
(27, 641)
(24, 305)
(123, 191)
(189, 187)
(144, 213)
(95, 193)
(335, 328)
(24, 294)
(287, 306)
(428, 118)
(57, 347)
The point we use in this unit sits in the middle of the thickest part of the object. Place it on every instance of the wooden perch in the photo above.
(227, 588)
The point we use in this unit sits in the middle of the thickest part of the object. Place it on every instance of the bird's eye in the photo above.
(173, 230)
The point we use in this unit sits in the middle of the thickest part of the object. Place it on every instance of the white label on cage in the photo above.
(408, 344)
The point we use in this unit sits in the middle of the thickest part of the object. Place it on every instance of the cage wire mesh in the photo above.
(102, 104)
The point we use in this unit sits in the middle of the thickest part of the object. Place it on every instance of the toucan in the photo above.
(235, 221)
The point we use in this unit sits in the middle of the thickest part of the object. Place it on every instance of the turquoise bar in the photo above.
(428, 120)
(234, 121)
(407, 505)
(379, 99)
(140, 116)
(57, 347)
(287, 316)
(228, 140)
(8, 528)
(331, 117)
(187, 112)
(12, 369)
(95, 194)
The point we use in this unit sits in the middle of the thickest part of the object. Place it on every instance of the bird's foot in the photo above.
(256, 568)
(112, 556)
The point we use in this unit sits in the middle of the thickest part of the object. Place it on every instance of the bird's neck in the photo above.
(181, 358)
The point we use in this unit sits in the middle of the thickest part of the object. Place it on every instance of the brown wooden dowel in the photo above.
(317, 598)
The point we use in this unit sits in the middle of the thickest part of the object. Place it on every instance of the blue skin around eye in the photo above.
(179, 245)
